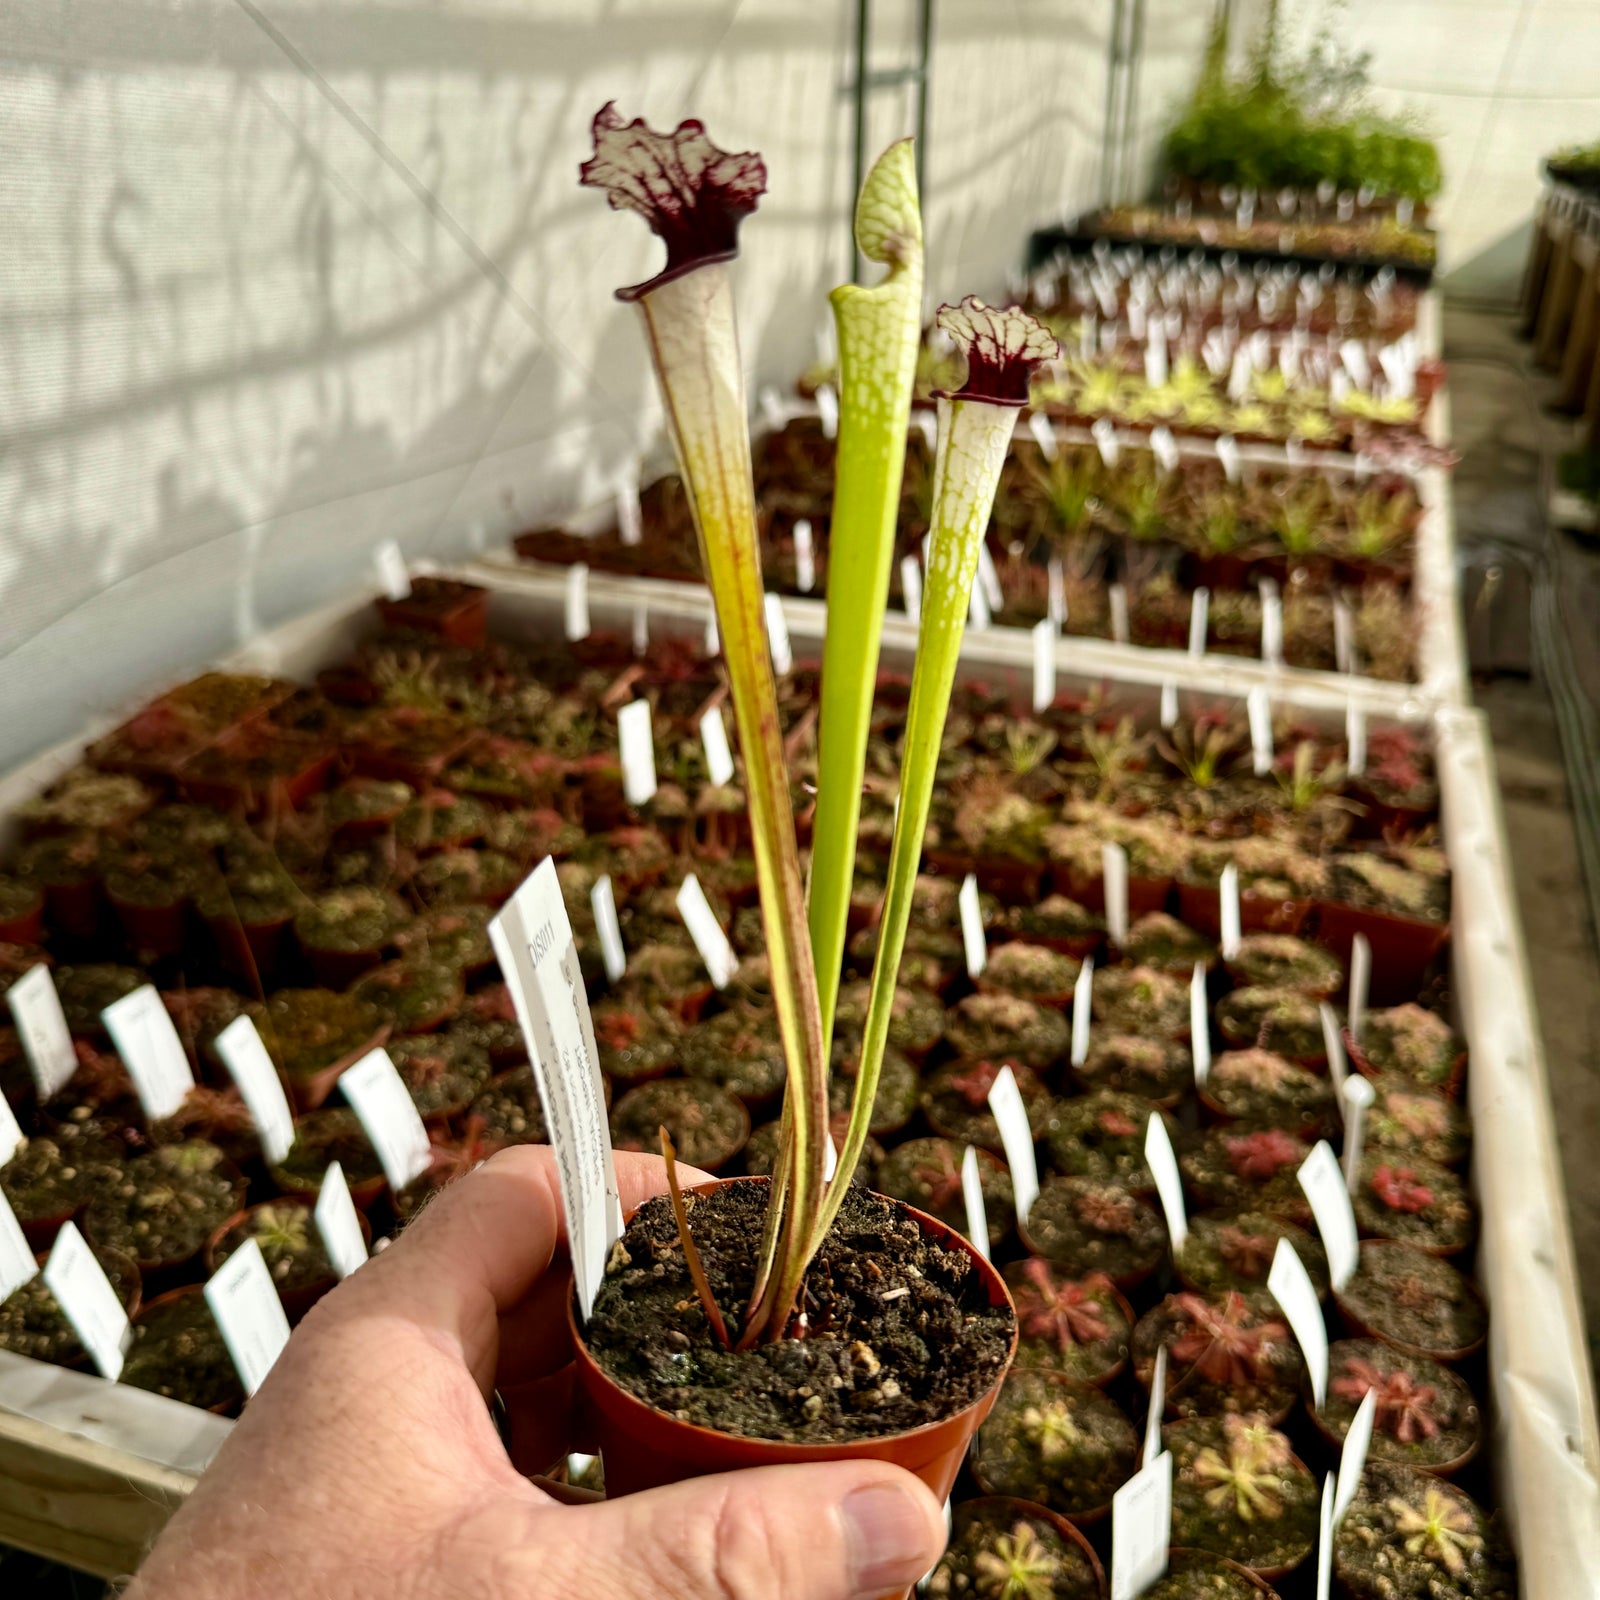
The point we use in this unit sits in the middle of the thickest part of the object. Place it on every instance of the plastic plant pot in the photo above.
(63, 1349)
(1403, 948)
(21, 912)
(456, 612)
(298, 1298)
(1181, 1561)
(222, 1394)
(644, 1448)
(999, 1511)
(1144, 894)
(249, 949)
(1200, 905)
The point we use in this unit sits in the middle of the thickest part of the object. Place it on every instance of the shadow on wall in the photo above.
(1492, 277)
(285, 279)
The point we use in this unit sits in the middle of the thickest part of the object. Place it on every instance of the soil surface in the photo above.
(899, 1332)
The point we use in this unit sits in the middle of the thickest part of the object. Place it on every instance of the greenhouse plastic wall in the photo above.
(288, 277)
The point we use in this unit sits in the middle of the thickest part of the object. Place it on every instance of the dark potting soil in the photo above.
(1413, 1300)
(1223, 1253)
(1101, 1136)
(1194, 1575)
(177, 1351)
(899, 1332)
(1000, 1546)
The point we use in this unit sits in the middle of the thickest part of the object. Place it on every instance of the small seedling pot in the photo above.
(1403, 948)
(249, 949)
(73, 909)
(1144, 894)
(154, 931)
(296, 1302)
(456, 612)
(1229, 1566)
(25, 926)
(644, 1448)
(1008, 1507)
(1451, 1087)
(130, 1291)
(1200, 905)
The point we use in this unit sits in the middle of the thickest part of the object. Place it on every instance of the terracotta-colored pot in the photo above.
(338, 969)
(1229, 1566)
(73, 908)
(1451, 1087)
(167, 1297)
(1357, 1328)
(160, 1276)
(25, 927)
(153, 931)
(296, 1302)
(1144, 894)
(131, 1300)
(1402, 948)
(309, 1092)
(1200, 905)
(1447, 1469)
(645, 1448)
(249, 949)
(1016, 1509)
(456, 612)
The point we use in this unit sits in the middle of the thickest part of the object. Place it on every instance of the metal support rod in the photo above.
(924, 89)
(858, 166)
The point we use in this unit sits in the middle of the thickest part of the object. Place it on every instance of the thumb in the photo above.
(843, 1530)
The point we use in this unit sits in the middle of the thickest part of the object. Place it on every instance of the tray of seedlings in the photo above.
(357, 912)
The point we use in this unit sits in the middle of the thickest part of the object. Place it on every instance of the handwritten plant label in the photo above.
(1141, 1528)
(393, 578)
(1044, 664)
(1353, 1457)
(1043, 435)
(641, 628)
(17, 1265)
(1082, 999)
(1165, 447)
(603, 903)
(638, 750)
(1333, 1043)
(533, 941)
(1355, 738)
(1163, 1164)
(1114, 874)
(1271, 623)
(1169, 704)
(630, 514)
(1290, 1285)
(1229, 911)
(1105, 441)
(1260, 712)
(1357, 1097)
(1199, 616)
(989, 577)
(244, 1300)
(713, 637)
(828, 410)
(972, 1197)
(911, 587)
(979, 615)
(260, 1087)
(1228, 455)
(1323, 1185)
(805, 556)
(1360, 985)
(338, 1224)
(1016, 1135)
(778, 635)
(1056, 586)
(1118, 596)
(714, 741)
(706, 931)
(381, 1101)
(576, 605)
(151, 1050)
(36, 1010)
(972, 934)
(88, 1302)
(1325, 1541)
(10, 1131)
(1200, 1023)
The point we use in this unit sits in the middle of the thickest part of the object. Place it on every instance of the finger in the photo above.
(847, 1530)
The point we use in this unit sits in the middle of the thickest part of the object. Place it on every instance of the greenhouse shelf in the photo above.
(88, 1470)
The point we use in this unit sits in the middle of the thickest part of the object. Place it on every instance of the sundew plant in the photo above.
(694, 196)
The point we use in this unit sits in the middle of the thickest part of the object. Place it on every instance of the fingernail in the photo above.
(886, 1533)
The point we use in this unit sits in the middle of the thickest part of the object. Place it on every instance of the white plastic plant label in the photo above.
(1355, 739)
(1229, 914)
(778, 635)
(630, 514)
(244, 1300)
(1105, 441)
(1353, 1458)
(1325, 1541)
(88, 1302)
(17, 1265)
(1114, 874)
(1169, 704)
(1016, 1135)
(641, 628)
(1082, 1000)
(151, 1050)
(1158, 1404)
(1228, 455)
(576, 604)
(979, 615)
(1043, 435)
(989, 577)
(714, 741)
(911, 587)
(1356, 1097)
(538, 957)
(713, 637)
(603, 903)
(10, 1131)
(1044, 664)
(1333, 1043)
(387, 1113)
(338, 1224)
(1260, 711)
(1344, 632)
(1360, 985)
(36, 1010)
(828, 410)
(1200, 1023)
(1163, 1163)
(1290, 1285)
(638, 750)
(972, 1198)
(927, 423)
(706, 931)
(1323, 1185)
(1055, 577)
(1141, 1528)
(1118, 596)
(1353, 357)
(393, 578)
(1271, 623)
(972, 935)
(258, 1083)
(1239, 375)
(1165, 447)
(1199, 618)
(805, 556)
(1155, 355)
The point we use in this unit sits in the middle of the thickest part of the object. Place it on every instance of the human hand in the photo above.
(368, 1466)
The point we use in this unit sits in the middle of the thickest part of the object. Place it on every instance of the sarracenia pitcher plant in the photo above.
(694, 197)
